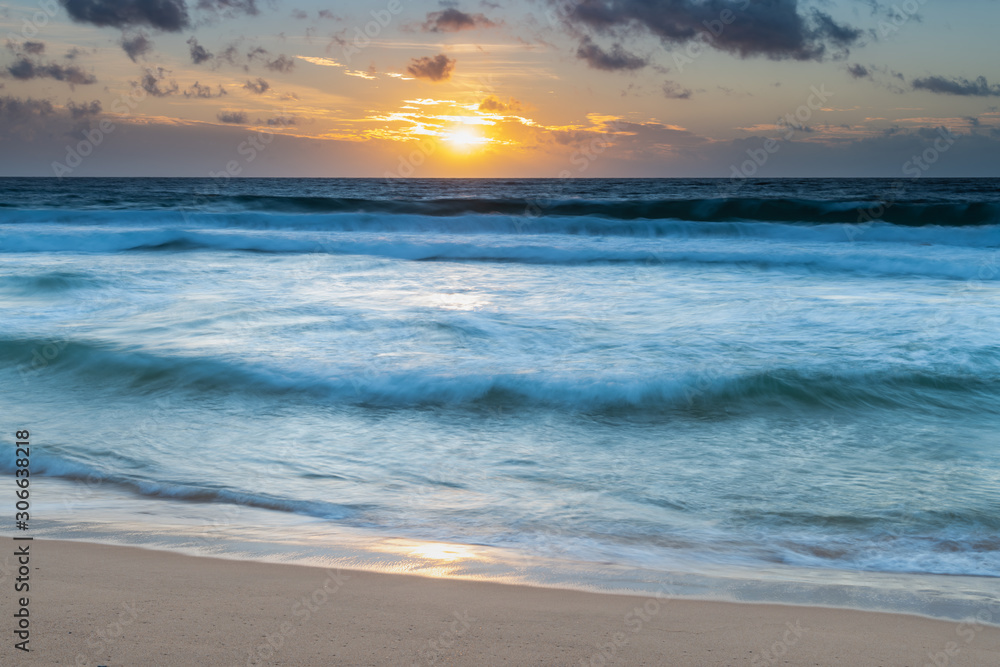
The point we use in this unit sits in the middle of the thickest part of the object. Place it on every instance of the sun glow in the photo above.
(466, 138)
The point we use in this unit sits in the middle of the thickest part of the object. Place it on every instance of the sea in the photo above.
(774, 390)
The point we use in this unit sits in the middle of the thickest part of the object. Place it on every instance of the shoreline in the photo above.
(107, 516)
(118, 605)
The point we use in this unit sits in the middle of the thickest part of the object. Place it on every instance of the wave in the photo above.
(80, 227)
(137, 372)
(911, 213)
(52, 282)
(65, 467)
(948, 262)
(722, 209)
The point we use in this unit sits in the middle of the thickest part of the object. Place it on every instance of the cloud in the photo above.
(25, 69)
(79, 111)
(29, 48)
(233, 117)
(454, 20)
(21, 116)
(137, 45)
(325, 62)
(980, 87)
(858, 71)
(282, 63)
(280, 121)
(199, 53)
(198, 90)
(166, 15)
(230, 8)
(258, 87)
(437, 68)
(773, 29)
(151, 83)
(494, 104)
(616, 59)
(674, 91)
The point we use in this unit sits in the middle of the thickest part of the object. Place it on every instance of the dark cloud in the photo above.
(616, 59)
(25, 48)
(980, 87)
(80, 111)
(453, 20)
(151, 83)
(230, 8)
(326, 14)
(21, 115)
(858, 71)
(136, 46)
(199, 53)
(437, 68)
(833, 32)
(973, 121)
(494, 104)
(198, 90)
(773, 29)
(230, 54)
(299, 14)
(675, 91)
(167, 15)
(258, 87)
(25, 69)
(233, 117)
(280, 121)
(281, 63)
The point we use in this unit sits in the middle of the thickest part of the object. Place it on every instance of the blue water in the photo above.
(790, 373)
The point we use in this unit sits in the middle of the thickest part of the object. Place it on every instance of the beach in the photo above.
(109, 605)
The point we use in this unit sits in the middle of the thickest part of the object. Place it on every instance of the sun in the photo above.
(466, 139)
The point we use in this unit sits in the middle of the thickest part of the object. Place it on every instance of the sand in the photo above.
(108, 605)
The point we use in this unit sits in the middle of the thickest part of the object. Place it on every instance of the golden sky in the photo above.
(544, 88)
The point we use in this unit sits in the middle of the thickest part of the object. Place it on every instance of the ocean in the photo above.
(783, 390)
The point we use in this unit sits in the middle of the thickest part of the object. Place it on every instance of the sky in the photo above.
(477, 88)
